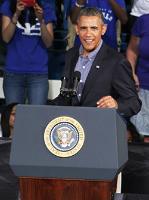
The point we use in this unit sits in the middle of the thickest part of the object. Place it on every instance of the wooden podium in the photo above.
(60, 189)
(90, 174)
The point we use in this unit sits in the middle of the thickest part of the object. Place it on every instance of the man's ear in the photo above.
(104, 28)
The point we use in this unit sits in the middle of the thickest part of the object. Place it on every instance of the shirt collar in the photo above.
(92, 54)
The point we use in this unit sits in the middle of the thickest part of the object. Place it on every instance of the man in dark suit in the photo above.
(106, 76)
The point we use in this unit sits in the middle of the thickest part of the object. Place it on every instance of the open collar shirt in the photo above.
(84, 65)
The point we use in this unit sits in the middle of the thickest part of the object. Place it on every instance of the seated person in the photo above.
(7, 120)
(8, 181)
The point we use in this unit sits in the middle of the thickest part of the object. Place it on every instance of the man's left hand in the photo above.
(107, 102)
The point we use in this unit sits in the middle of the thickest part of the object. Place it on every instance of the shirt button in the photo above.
(81, 81)
(79, 95)
(83, 67)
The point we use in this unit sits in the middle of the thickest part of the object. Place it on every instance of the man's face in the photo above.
(90, 29)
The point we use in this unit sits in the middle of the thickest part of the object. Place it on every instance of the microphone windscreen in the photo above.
(63, 78)
(63, 85)
(77, 75)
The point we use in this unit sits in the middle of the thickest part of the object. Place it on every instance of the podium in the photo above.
(88, 174)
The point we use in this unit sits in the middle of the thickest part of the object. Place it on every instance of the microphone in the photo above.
(76, 79)
(63, 88)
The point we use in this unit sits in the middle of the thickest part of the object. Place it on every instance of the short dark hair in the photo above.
(91, 11)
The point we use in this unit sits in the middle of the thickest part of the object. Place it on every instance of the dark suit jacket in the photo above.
(110, 74)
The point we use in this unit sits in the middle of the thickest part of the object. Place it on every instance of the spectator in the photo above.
(28, 32)
(7, 120)
(9, 183)
(138, 55)
(112, 11)
(139, 8)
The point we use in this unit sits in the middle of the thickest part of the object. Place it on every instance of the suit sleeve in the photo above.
(124, 89)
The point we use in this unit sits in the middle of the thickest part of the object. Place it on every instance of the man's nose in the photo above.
(88, 31)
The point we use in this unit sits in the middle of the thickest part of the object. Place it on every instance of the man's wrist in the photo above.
(79, 5)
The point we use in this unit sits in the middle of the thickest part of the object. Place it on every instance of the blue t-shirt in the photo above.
(109, 16)
(26, 52)
(141, 30)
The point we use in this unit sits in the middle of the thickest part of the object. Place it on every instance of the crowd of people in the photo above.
(28, 31)
(109, 79)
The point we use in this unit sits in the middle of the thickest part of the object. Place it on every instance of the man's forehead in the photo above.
(89, 20)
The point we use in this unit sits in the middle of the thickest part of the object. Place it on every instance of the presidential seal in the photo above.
(64, 136)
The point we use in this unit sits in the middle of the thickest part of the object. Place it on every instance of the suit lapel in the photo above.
(95, 71)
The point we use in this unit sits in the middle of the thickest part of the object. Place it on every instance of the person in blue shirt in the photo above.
(112, 10)
(138, 55)
(28, 32)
